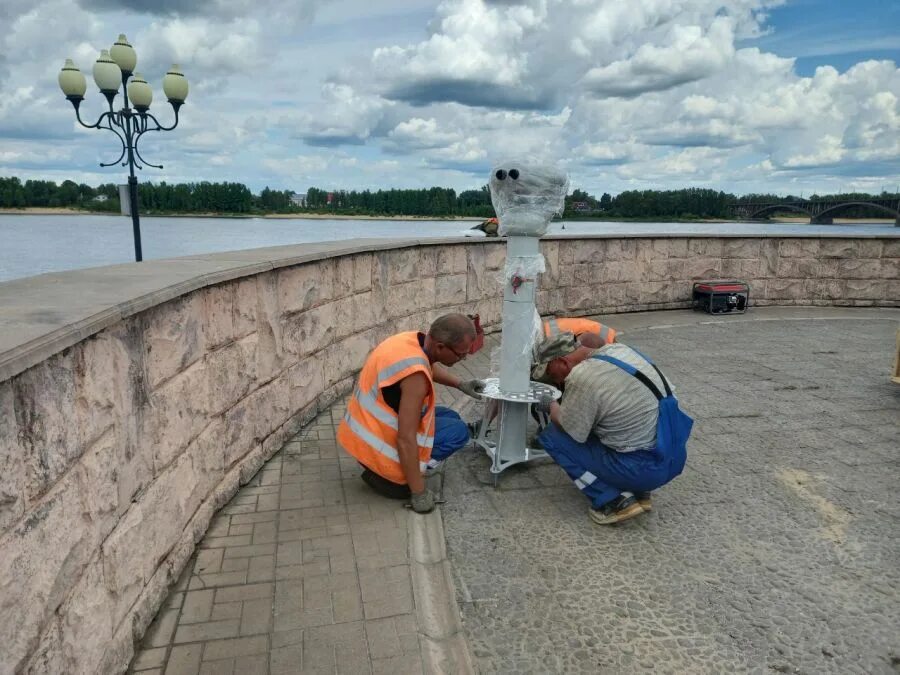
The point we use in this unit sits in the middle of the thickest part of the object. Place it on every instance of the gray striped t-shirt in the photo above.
(617, 407)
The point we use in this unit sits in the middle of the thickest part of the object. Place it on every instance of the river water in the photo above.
(35, 244)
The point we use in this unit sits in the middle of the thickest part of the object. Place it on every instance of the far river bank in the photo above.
(61, 211)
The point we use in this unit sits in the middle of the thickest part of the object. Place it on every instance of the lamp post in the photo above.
(114, 68)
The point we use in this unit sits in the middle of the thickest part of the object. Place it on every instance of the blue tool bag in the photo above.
(673, 427)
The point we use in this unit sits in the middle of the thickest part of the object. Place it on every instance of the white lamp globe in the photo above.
(175, 85)
(107, 73)
(71, 80)
(123, 54)
(139, 93)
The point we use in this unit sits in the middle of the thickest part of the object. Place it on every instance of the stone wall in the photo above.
(116, 452)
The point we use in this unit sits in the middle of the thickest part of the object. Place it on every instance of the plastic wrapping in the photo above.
(526, 196)
(524, 267)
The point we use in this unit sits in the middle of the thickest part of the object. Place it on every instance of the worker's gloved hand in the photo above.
(543, 405)
(472, 387)
(422, 502)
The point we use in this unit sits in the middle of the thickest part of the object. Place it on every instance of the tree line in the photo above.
(238, 199)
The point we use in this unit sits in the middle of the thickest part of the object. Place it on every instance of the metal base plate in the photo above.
(535, 392)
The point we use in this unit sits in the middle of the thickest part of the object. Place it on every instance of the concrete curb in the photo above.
(443, 644)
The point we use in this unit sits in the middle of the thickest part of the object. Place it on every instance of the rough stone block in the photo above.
(740, 248)
(207, 454)
(97, 473)
(174, 337)
(232, 373)
(343, 318)
(178, 413)
(219, 314)
(244, 308)
(702, 268)
(837, 248)
(86, 623)
(798, 268)
(621, 249)
(798, 248)
(48, 654)
(479, 280)
(306, 382)
(108, 376)
(273, 403)
(768, 257)
(494, 255)
(239, 432)
(343, 277)
(550, 277)
(409, 264)
(450, 290)
(451, 260)
(785, 289)
(859, 268)
(411, 297)
(363, 312)
(269, 328)
(345, 358)
(870, 248)
(45, 409)
(864, 289)
(362, 272)
(701, 247)
(43, 556)
(585, 251)
(310, 331)
(306, 285)
(12, 466)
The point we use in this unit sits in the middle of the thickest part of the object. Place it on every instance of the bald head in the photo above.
(451, 329)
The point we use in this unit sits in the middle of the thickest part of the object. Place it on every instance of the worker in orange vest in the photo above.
(590, 333)
(393, 426)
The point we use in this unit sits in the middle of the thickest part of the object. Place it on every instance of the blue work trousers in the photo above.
(450, 433)
(601, 473)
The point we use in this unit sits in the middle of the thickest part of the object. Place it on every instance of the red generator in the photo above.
(721, 297)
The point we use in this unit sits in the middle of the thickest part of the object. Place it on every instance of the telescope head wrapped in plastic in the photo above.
(526, 196)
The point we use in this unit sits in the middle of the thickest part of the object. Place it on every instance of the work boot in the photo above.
(644, 499)
(619, 509)
(432, 467)
(385, 487)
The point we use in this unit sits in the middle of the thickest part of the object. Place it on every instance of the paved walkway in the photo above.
(776, 550)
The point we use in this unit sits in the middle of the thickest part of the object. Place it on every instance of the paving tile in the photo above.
(256, 616)
(222, 542)
(244, 646)
(287, 660)
(248, 592)
(237, 565)
(215, 580)
(197, 606)
(264, 533)
(226, 610)
(184, 660)
(149, 658)
(263, 517)
(304, 619)
(160, 631)
(248, 551)
(222, 667)
(210, 630)
(262, 568)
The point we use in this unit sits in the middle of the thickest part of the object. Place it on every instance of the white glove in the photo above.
(472, 387)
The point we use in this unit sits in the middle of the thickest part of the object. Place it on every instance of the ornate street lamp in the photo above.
(113, 69)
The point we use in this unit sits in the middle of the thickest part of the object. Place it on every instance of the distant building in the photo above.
(581, 206)
(298, 200)
(101, 198)
(329, 199)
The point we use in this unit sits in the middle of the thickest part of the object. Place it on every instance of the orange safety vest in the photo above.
(578, 326)
(369, 428)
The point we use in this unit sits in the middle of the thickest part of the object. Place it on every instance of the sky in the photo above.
(781, 96)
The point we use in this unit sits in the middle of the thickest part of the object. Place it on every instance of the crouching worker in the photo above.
(589, 333)
(392, 426)
(617, 432)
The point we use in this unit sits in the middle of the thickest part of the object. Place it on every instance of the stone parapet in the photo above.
(135, 400)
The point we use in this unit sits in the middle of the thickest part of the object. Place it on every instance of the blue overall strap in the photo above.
(631, 370)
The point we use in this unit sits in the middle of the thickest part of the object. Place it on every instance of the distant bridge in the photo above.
(820, 211)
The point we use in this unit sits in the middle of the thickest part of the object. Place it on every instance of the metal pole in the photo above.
(135, 217)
